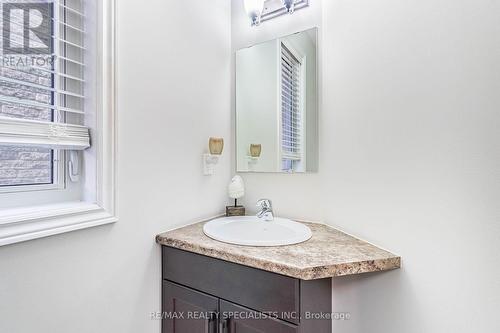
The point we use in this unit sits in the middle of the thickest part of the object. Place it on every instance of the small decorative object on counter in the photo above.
(216, 145)
(255, 150)
(236, 190)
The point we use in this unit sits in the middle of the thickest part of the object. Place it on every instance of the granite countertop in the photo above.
(328, 253)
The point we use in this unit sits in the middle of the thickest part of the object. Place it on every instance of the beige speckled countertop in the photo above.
(328, 253)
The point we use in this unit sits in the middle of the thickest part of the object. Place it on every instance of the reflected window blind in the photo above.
(42, 75)
(290, 110)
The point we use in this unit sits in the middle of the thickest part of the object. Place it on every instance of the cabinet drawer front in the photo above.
(253, 288)
(237, 319)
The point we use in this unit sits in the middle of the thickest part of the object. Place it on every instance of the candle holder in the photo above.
(215, 147)
(255, 150)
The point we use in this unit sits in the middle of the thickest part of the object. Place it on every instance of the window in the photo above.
(41, 86)
(56, 83)
(291, 110)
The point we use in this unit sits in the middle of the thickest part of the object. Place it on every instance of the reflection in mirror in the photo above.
(277, 105)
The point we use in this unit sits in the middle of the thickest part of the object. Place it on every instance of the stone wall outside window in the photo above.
(24, 165)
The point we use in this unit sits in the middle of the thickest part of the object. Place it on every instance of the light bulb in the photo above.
(289, 5)
(254, 10)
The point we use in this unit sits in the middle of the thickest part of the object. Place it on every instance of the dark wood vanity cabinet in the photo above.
(187, 310)
(209, 295)
(249, 321)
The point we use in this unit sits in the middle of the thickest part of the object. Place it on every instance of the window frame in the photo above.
(31, 222)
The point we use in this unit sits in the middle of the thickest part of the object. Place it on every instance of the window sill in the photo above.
(22, 224)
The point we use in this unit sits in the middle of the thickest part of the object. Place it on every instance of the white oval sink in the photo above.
(252, 231)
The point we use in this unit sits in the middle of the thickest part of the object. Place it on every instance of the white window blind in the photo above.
(42, 84)
(290, 109)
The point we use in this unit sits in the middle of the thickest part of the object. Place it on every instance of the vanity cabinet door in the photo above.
(237, 319)
(188, 311)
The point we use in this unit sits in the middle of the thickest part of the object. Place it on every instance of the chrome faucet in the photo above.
(266, 210)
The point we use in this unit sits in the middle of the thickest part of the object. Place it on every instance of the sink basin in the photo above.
(252, 231)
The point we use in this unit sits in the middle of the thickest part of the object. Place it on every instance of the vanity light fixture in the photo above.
(264, 10)
(254, 10)
(289, 5)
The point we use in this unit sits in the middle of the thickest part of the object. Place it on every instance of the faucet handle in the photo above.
(265, 203)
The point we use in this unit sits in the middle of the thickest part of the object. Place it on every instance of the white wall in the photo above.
(409, 156)
(107, 279)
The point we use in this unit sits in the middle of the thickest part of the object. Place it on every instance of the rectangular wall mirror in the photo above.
(277, 105)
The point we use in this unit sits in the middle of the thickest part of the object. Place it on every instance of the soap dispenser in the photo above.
(236, 190)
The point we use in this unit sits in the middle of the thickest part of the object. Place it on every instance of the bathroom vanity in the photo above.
(215, 287)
